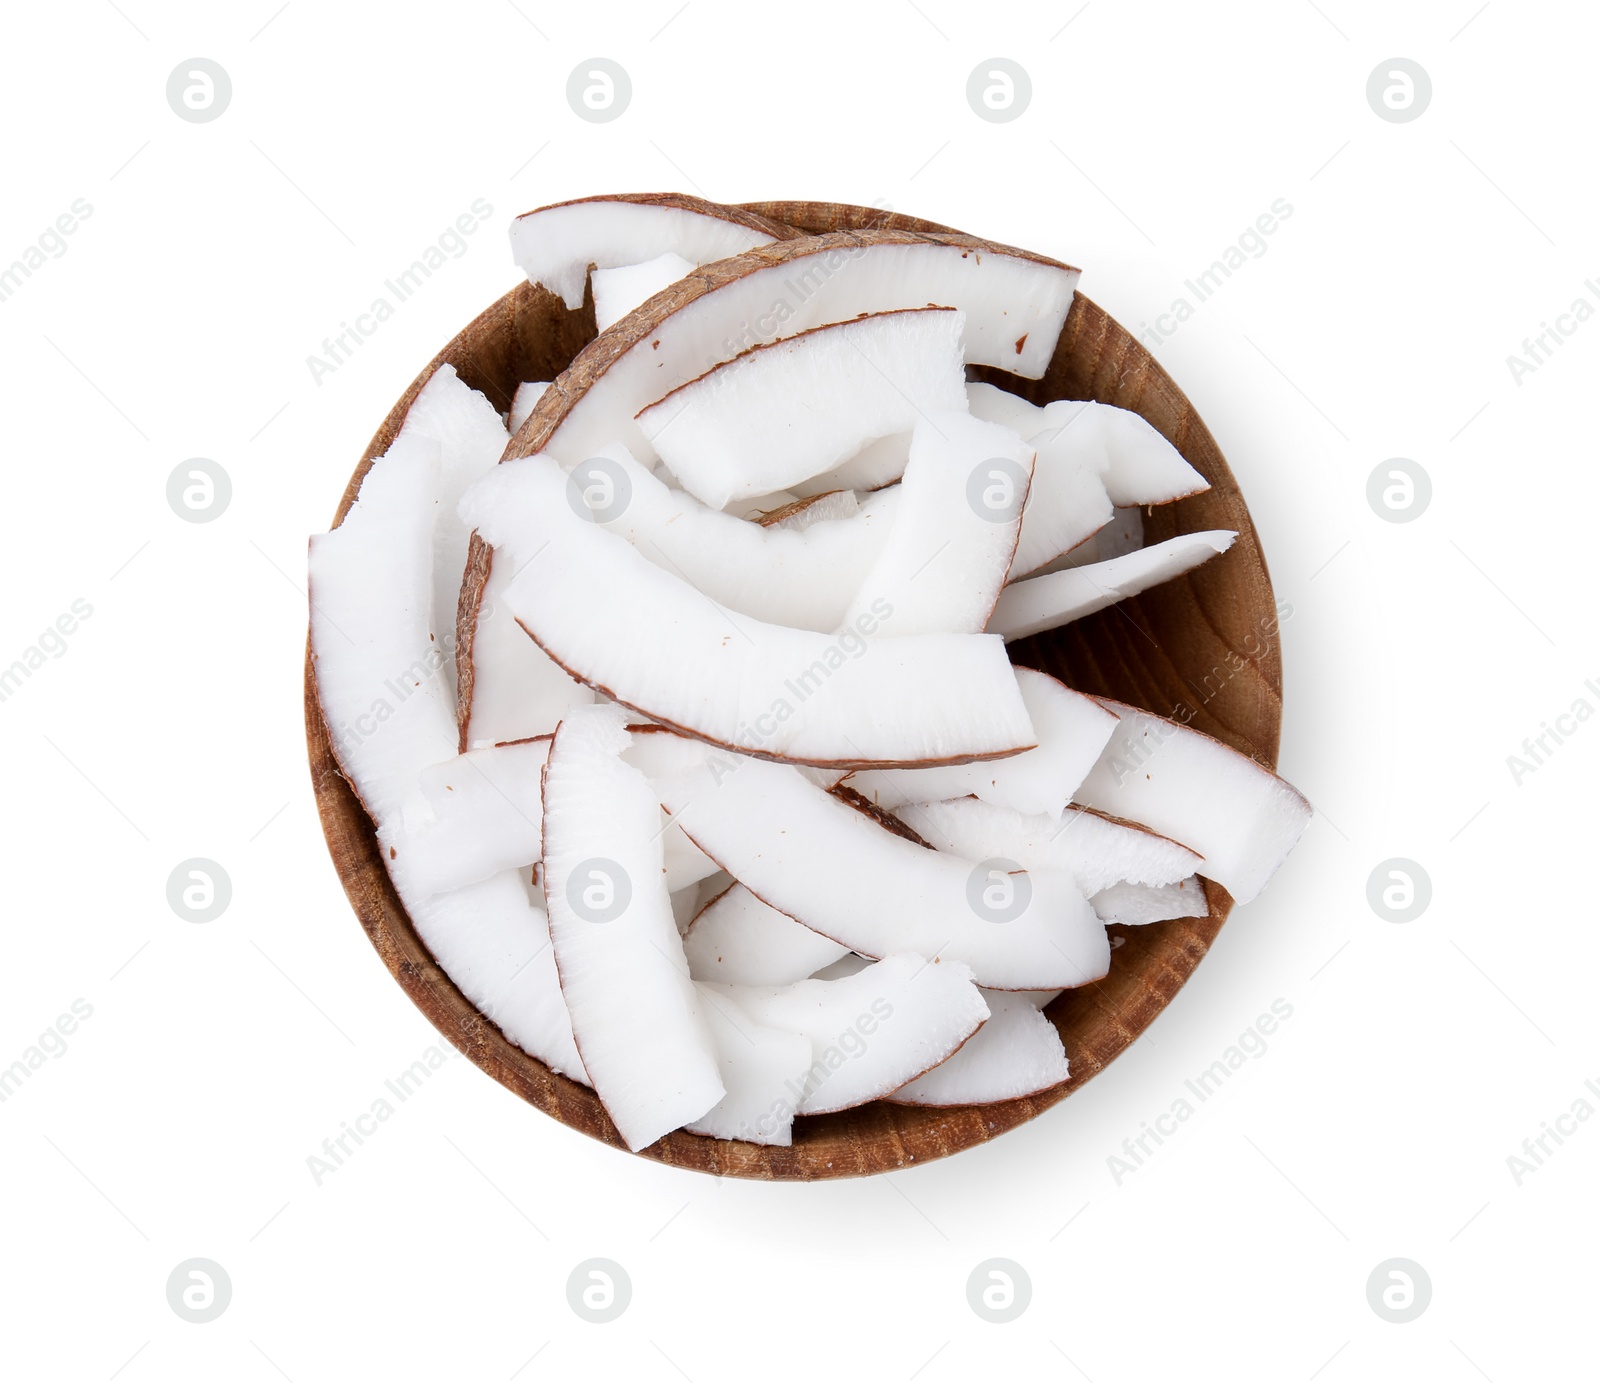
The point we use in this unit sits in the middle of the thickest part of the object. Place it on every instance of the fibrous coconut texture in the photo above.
(740, 811)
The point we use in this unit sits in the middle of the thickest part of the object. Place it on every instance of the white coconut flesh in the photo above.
(635, 1013)
(835, 869)
(800, 513)
(618, 291)
(804, 576)
(954, 529)
(1241, 817)
(556, 245)
(870, 1032)
(1071, 729)
(879, 463)
(1097, 850)
(486, 810)
(1017, 1052)
(1124, 534)
(1007, 298)
(1047, 602)
(1138, 905)
(760, 1066)
(738, 939)
(523, 401)
(492, 938)
(1136, 463)
(794, 408)
(648, 639)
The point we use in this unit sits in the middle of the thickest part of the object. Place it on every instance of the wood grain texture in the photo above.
(1203, 645)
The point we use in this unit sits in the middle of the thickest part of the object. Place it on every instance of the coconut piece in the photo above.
(493, 940)
(650, 641)
(1241, 817)
(485, 818)
(513, 689)
(1135, 905)
(1096, 849)
(1015, 304)
(1047, 602)
(618, 291)
(760, 1067)
(556, 245)
(1138, 465)
(799, 514)
(1071, 729)
(683, 862)
(738, 939)
(804, 579)
(1017, 1052)
(878, 464)
(378, 663)
(825, 864)
(793, 408)
(523, 401)
(870, 1032)
(954, 531)
(635, 1014)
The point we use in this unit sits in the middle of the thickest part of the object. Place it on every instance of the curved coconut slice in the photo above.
(510, 688)
(803, 578)
(380, 666)
(954, 531)
(796, 407)
(1097, 850)
(1071, 729)
(635, 1015)
(1015, 304)
(555, 245)
(493, 940)
(522, 403)
(878, 464)
(799, 514)
(836, 870)
(760, 1068)
(618, 291)
(1242, 817)
(1135, 905)
(1017, 1052)
(738, 939)
(1047, 602)
(1138, 464)
(486, 811)
(870, 1032)
(652, 642)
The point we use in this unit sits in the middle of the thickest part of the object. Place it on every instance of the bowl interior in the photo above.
(1198, 646)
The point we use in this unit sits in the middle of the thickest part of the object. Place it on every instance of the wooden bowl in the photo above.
(1201, 645)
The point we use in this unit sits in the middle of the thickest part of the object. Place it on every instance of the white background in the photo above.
(1419, 1056)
